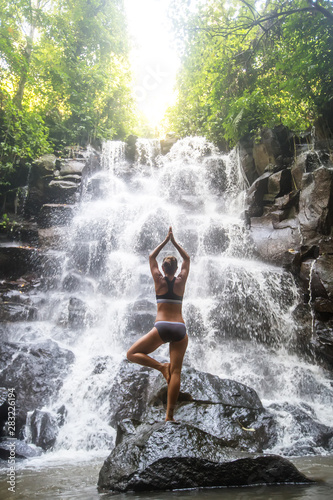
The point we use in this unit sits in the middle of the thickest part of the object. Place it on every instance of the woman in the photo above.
(169, 324)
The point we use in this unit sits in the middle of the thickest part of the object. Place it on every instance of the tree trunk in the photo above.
(34, 6)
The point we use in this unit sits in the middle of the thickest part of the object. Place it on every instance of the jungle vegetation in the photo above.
(251, 64)
(64, 78)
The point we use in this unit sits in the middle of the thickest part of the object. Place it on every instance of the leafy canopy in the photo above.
(248, 64)
(64, 76)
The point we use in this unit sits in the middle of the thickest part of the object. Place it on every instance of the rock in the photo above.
(19, 449)
(130, 148)
(16, 261)
(72, 167)
(17, 312)
(323, 305)
(224, 408)
(273, 148)
(256, 193)
(280, 184)
(246, 159)
(169, 456)
(140, 317)
(129, 393)
(315, 204)
(61, 191)
(307, 433)
(43, 429)
(36, 371)
(53, 237)
(3, 408)
(304, 163)
(44, 165)
(215, 174)
(323, 341)
(323, 271)
(77, 313)
(215, 240)
(55, 215)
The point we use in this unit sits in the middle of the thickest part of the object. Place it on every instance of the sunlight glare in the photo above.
(154, 62)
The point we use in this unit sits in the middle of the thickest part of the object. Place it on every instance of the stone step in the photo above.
(54, 214)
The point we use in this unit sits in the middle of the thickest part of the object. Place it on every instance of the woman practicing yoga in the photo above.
(169, 324)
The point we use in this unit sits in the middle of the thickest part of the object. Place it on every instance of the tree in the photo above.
(240, 74)
(65, 76)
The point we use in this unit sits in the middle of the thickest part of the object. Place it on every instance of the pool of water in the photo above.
(60, 480)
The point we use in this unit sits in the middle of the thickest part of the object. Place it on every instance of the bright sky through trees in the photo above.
(154, 61)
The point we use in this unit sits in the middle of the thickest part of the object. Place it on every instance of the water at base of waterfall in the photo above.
(238, 310)
(62, 480)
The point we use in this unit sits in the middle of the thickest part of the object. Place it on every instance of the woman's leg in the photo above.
(139, 351)
(177, 351)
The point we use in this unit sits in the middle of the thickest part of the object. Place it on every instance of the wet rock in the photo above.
(140, 317)
(55, 215)
(152, 230)
(273, 243)
(216, 174)
(35, 371)
(224, 408)
(72, 282)
(168, 456)
(129, 393)
(20, 449)
(323, 271)
(323, 341)
(130, 148)
(3, 408)
(307, 433)
(77, 313)
(53, 237)
(16, 261)
(194, 322)
(315, 204)
(215, 240)
(43, 429)
(62, 191)
(17, 312)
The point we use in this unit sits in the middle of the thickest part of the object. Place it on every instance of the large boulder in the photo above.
(226, 409)
(167, 456)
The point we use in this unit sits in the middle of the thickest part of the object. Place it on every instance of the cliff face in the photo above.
(290, 216)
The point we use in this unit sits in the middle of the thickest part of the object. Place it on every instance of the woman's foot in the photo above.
(170, 419)
(165, 370)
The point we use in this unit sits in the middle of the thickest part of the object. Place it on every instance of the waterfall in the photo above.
(239, 311)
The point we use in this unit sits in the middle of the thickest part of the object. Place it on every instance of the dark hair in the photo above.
(170, 264)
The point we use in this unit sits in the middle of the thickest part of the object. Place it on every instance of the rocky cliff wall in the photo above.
(289, 213)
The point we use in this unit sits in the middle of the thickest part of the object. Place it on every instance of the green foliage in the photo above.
(64, 77)
(244, 69)
(5, 222)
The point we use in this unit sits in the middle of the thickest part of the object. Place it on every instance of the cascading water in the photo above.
(239, 311)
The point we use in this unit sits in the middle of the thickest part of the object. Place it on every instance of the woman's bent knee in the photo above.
(129, 355)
